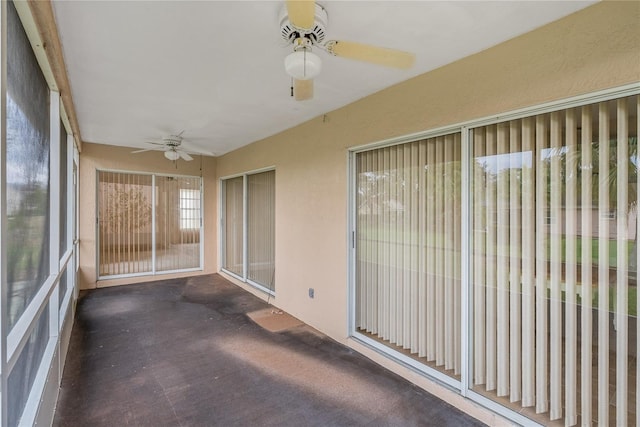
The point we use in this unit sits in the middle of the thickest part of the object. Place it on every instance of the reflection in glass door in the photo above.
(554, 260)
(408, 236)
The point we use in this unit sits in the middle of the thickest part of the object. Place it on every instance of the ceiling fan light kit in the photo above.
(172, 155)
(302, 64)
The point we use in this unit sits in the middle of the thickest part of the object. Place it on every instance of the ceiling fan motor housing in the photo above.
(172, 141)
(315, 35)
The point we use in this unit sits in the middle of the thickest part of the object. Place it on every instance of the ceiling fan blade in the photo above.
(154, 143)
(195, 148)
(367, 53)
(301, 13)
(302, 89)
(185, 156)
(142, 151)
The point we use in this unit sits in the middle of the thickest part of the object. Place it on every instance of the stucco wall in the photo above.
(106, 157)
(594, 49)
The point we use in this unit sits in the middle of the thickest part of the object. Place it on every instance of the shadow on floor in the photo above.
(184, 352)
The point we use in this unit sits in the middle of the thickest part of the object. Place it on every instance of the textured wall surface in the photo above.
(594, 49)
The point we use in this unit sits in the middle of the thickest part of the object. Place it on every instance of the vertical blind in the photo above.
(408, 249)
(125, 223)
(177, 204)
(554, 260)
(127, 217)
(261, 228)
(233, 217)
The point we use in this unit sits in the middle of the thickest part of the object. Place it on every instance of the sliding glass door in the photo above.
(148, 223)
(248, 230)
(546, 278)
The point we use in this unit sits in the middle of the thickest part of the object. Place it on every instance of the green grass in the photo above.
(632, 294)
(595, 252)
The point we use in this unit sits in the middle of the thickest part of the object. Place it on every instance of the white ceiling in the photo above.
(140, 70)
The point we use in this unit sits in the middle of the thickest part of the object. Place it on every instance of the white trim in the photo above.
(70, 193)
(54, 184)
(251, 172)
(55, 193)
(561, 104)
(22, 329)
(260, 287)
(202, 233)
(76, 214)
(4, 317)
(222, 239)
(33, 34)
(408, 362)
(125, 276)
(64, 259)
(184, 270)
(97, 223)
(351, 243)
(245, 228)
(501, 410)
(147, 173)
(65, 120)
(441, 131)
(232, 274)
(66, 266)
(66, 303)
(32, 404)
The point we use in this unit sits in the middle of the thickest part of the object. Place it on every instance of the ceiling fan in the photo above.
(303, 24)
(171, 145)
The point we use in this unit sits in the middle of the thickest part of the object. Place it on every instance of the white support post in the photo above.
(54, 208)
(4, 315)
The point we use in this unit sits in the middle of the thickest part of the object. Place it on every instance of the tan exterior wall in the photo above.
(594, 49)
(106, 157)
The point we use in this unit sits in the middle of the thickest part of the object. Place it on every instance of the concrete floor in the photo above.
(184, 352)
